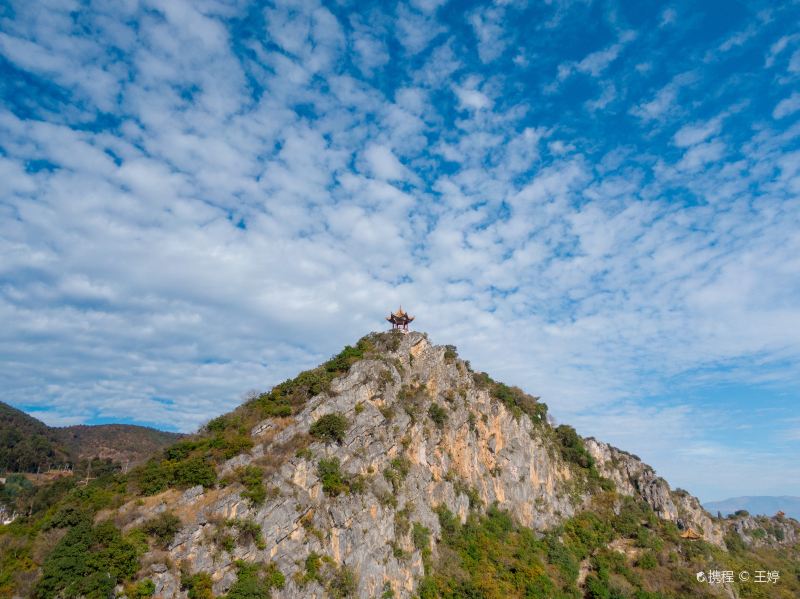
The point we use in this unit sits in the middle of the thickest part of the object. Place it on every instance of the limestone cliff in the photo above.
(423, 431)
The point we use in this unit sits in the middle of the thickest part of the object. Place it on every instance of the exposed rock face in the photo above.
(408, 462)
(634, 477)
(759, 531)
(480, 450)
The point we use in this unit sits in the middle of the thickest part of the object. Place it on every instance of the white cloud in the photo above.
(415, 31)
(794, 62)
(778, 47)
(372, 53)
(595, 63)
(787, 106)
(471, 98)
(663, 101)
(487, 23)
(607, 95)
(701, 154)
(383, 163)
(689, 135)
(668, 17)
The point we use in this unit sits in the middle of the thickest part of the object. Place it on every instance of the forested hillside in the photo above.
(29, 445)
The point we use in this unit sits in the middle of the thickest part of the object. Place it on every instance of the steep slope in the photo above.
(28, 444)
(392, 470)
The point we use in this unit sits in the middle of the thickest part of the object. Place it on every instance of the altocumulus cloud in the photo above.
(201, 198)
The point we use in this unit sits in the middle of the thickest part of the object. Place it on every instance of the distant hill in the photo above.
(766, 505)
(28, 444)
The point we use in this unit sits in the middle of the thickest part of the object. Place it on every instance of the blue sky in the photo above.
(597, 201)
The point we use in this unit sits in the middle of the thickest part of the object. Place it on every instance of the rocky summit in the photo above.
(395, 470)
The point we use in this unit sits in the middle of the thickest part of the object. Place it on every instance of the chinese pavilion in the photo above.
(400, 319)
(691, 534)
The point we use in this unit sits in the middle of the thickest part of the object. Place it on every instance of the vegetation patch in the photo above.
(574, 452)
(338, 582)
(249, 531)
(89, 561)
(198, 585)
(397, 470)
(334, 481)
(515, 399)
(182, 472)
(140, 590)
(450, 353)
(330, 428)
(163, 528)
(252, 477)
(462, 488)
(289, 397)
(438, 414)
(342, 583)
(255, 581)
(412, 397)
(402, 523)
(421, 537)
(491, 556)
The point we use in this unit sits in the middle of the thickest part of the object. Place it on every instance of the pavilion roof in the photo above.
(400, 315)
(691, 533)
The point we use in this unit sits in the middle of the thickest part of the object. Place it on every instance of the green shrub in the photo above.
(233, 445)
(330, 428)
(396, 472)
(254, 581)
(438, 414)
(163, 528)
(450, 353)
(194, 471)
(597, 588)
(561, 557)
(329, 472)
(252, 478)
(154, 477)
(461, 488)
(342, 583)
(572, 447)
(312, 567)
(421, 537)
(647, 561)
(273, 577)
(141, 590)
(198, 586)
(515, 399)
(88, 561)
(249, 531)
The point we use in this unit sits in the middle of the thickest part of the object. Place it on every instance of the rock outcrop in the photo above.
(633, 477)
(423, 431)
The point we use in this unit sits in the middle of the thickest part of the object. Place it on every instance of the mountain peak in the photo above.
(374, 474)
